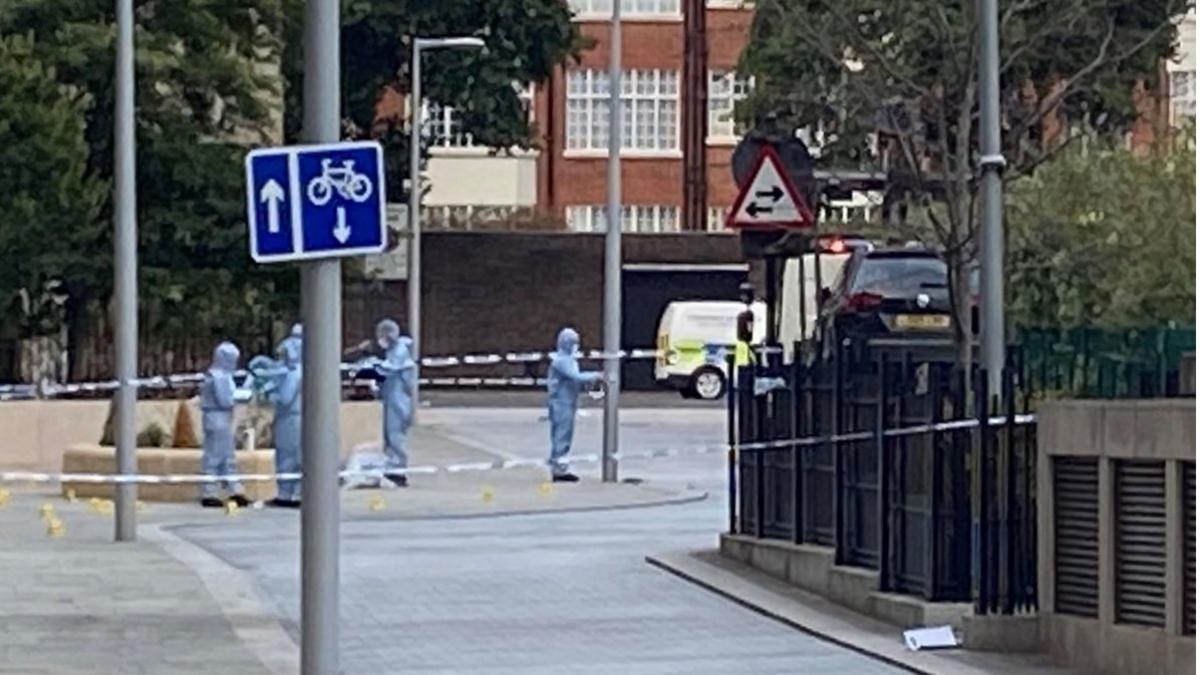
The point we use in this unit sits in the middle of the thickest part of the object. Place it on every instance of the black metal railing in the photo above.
(880, 478)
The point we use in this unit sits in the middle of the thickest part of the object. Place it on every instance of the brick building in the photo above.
(678, 58)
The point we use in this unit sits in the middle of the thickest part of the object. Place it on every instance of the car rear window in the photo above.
(892, 276)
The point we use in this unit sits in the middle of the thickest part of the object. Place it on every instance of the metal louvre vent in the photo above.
(1141, 542)
(1189, 547)
(1076, 532)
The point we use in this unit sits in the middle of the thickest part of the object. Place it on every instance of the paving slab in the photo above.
(829, 621)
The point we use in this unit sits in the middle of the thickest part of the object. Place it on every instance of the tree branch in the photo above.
(880, 58)
(1068, 86)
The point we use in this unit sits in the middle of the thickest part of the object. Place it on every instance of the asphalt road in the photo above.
(552, 593)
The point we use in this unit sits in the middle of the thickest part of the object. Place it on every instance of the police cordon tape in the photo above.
(53, 389)
(506, 464)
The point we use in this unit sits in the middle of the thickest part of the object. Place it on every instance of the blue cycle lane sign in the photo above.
(316, 201)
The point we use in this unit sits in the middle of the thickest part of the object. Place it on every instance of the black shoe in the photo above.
(240, 500)
(284, 503)
(398, 479)
(212, 503)
(565, 478)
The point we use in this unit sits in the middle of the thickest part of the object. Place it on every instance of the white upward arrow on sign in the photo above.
(272, 195)
(769, 199)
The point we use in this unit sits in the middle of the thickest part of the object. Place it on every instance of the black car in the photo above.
(897, 292)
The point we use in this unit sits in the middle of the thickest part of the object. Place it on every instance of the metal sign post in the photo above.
(612, 257)
(125, 275)
(317, 203)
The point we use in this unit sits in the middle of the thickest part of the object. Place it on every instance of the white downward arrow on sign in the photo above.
(341, 232)
(272, 195)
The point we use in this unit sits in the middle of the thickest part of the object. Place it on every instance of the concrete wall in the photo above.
(1115, 430)
(812, 568)
(471, 176)
(34, 434)
(475, 281)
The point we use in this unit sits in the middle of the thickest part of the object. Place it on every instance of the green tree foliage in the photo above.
(893, 84)
(1105, 239)
(50, 203)
(205, 93)
(526, 40)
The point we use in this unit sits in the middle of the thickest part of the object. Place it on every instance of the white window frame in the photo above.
(649, 100)
(443, 139)
(717, 217)
(724, 132)
(1183, 104)
(731, 4)
(635, 218)
(633, 10)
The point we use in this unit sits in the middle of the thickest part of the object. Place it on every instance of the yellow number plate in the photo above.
(922, 321)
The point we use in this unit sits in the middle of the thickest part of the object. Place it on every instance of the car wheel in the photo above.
(707, 384)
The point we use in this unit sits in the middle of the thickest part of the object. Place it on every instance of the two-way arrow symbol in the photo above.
(341, 231)
(754, 209)
(272, 194)
(774, 193)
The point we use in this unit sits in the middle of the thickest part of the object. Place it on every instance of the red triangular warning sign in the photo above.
(769, 199)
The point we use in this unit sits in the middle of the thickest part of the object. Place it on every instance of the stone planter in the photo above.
(92, 458)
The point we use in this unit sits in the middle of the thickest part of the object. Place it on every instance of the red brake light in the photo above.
(864, 301)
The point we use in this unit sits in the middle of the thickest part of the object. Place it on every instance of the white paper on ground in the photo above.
(939, 637)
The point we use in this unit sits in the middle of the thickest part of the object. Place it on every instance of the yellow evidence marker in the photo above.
(376, 503)
(546, 489)
(4, 497)
(231, 508)
(46, 512)
(488, 494)
(70, 496)
(55, 527)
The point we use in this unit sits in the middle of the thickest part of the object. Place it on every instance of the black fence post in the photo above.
(797, 450)
(1007, 556)
(762, 428)
(981, 473)
(839, 529)
(731, 394)
(935, 392)
(883, 474)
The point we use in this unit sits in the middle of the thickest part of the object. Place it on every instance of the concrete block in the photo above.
(809, 566)
(1120, 431)
(89, 458)
(771, 559)
(909, 611)
(1071, 428)
(1135, 650)
(1001, 633)
(853, 587)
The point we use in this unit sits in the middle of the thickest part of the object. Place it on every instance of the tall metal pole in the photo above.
(612, 255)
(321, 308)
(125, 274)
(991, 163)
(414, 220)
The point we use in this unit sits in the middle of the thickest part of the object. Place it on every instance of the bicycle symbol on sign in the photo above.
(353, 186)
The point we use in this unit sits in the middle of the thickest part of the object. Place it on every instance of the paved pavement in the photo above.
(561, 593)
(458, 592)
(565, 593)
(82, 604)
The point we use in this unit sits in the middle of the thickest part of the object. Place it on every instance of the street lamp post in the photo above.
(612, 257)
(125, 273)
(991, 163)
(414, 194)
